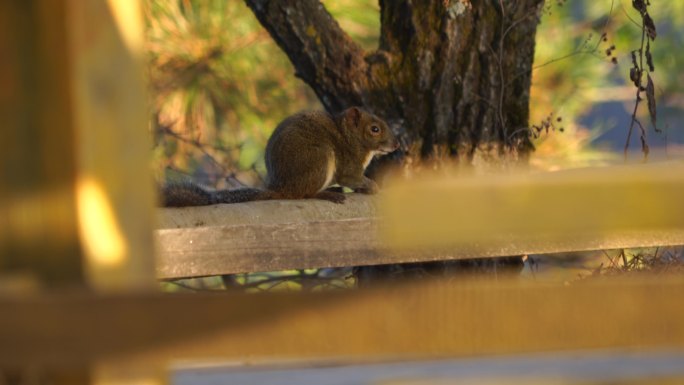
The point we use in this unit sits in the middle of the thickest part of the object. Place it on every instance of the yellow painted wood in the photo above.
(127, 372)
(118, 372)
(76, 195)
(38, 165)
(565, 207)
(115, 189)
(426, 320)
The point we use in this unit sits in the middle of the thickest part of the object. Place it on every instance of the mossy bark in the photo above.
(452, 77)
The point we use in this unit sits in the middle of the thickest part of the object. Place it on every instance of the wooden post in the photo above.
(76, 195)
(76, 198)
(114, 185)
(38, 166)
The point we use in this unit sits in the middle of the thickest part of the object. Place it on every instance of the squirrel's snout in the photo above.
(390, 146)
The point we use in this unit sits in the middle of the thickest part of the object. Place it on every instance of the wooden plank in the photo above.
(127, 372)
(251, 248)
(118, 372)
(430, 319)
(205, 251)
(38, 228)
(76, 201)
(267, 212)
(76, 197)
(264, 236)
(462, 218)
(561, 206)
(115, 189)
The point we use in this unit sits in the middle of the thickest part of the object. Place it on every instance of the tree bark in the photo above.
(451, 77)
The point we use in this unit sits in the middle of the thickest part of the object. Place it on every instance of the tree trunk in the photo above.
(451, 77)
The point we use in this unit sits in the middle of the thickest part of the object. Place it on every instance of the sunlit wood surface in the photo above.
(597, 206)
(425, 320)
(76, 194)
(115, 188)
(431, 219)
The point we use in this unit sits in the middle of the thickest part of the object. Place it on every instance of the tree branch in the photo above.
(323, 55)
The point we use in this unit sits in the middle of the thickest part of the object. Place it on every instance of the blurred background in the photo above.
(219, 84)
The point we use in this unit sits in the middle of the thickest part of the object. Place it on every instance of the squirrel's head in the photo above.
(372, 132)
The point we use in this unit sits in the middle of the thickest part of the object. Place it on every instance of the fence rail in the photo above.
(420, 320)
(577, 210)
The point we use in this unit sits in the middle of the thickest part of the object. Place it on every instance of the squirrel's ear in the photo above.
(353, 115)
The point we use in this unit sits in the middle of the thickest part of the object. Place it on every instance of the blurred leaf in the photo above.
(650, 26)
(650, 95)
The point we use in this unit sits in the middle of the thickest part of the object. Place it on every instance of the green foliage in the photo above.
(219, 86)
(570, 68)
(574, 71)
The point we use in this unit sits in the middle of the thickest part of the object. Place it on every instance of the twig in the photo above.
(624, 257)
(612, 261)
(200, 146)
(279, 280)
(624, 10)
(188, 287)
(578, 51)
(503, 84)
(636, 103)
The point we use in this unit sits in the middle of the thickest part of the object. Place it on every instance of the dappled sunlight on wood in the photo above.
(114, 186)
(100, 231)
(127, 18)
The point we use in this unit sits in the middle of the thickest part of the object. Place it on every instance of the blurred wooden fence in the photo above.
(76, 285)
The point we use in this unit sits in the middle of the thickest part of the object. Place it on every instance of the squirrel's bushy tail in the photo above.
(244, 194)
(190, 194)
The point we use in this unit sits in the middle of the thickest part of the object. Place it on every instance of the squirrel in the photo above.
(306, 154)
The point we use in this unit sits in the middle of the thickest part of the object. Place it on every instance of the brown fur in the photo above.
(307, 153)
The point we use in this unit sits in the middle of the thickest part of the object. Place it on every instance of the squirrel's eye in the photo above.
(375, 129)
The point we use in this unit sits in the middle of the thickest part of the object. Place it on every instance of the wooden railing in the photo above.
(77, 298)
(427, 220)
